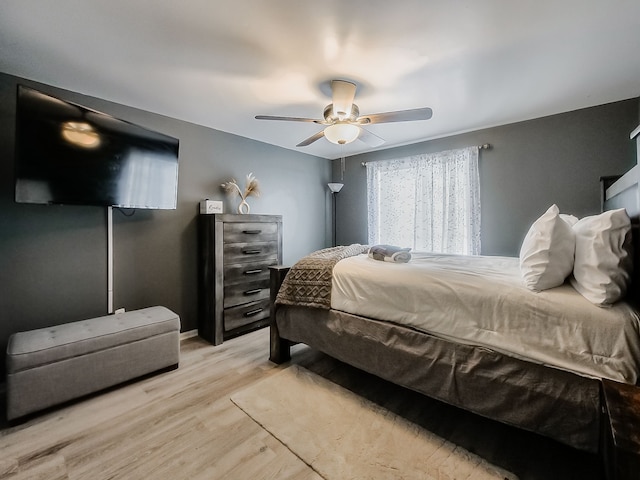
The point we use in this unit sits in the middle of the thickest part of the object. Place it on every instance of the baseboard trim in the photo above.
(189, 334)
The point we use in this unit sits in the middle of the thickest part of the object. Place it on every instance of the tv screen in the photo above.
(70, 154)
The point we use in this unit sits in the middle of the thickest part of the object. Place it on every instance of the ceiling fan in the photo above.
(343, 121)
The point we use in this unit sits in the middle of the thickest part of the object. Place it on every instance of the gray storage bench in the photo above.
(48, 366)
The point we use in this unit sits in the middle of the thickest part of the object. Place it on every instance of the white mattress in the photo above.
(482, 301)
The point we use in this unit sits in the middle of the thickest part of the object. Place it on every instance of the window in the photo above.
(429, 202)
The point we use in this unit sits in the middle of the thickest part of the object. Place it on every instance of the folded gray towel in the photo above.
(390, 253)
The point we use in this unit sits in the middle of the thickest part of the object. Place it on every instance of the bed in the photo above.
(499, 364)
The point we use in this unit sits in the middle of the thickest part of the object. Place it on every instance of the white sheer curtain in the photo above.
(429, 202)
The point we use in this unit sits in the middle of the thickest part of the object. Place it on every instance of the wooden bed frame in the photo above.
(558, 404)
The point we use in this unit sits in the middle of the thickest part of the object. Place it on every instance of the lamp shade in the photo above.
(335, 187)
(342, 133)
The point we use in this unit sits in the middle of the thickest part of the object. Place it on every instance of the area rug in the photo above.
(342, 436)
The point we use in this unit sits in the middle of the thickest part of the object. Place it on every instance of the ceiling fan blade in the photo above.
(343, 93)
(311, 139)
(288, 119)
(369, 138)
(399, 116)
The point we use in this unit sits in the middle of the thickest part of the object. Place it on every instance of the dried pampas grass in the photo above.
(251, 189)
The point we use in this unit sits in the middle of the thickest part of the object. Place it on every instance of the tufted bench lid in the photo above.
(47, 345)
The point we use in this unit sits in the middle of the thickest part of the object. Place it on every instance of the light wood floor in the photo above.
(182, 425)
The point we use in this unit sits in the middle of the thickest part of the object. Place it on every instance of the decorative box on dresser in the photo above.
(236, 252)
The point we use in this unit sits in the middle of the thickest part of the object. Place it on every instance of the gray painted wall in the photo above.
(53, 259)
(533, 164)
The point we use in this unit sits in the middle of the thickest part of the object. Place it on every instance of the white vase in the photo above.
(243, 208)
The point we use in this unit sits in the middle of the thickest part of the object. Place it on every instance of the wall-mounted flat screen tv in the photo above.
(70, 154)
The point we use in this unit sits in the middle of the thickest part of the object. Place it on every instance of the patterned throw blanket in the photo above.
(308, 283)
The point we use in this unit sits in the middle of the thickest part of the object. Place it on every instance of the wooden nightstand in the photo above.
(621, 443)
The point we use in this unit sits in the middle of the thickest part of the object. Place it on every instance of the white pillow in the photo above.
(570, 219)
(546, 255)
(603, 264)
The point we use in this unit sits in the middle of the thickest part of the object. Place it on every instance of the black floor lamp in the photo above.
(335, 188)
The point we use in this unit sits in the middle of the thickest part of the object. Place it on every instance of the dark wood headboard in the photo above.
(624, 192)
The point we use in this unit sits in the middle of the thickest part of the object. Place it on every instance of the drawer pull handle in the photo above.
(253, 292)
(251, 252)
(251, 313)
(252, 232)
(252, 272)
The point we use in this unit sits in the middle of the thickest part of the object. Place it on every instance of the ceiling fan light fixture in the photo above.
(342, 120)
(341, 133)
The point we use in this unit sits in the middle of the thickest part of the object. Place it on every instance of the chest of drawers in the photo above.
(235, 253)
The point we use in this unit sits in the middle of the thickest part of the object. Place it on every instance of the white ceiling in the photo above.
(218, 63)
